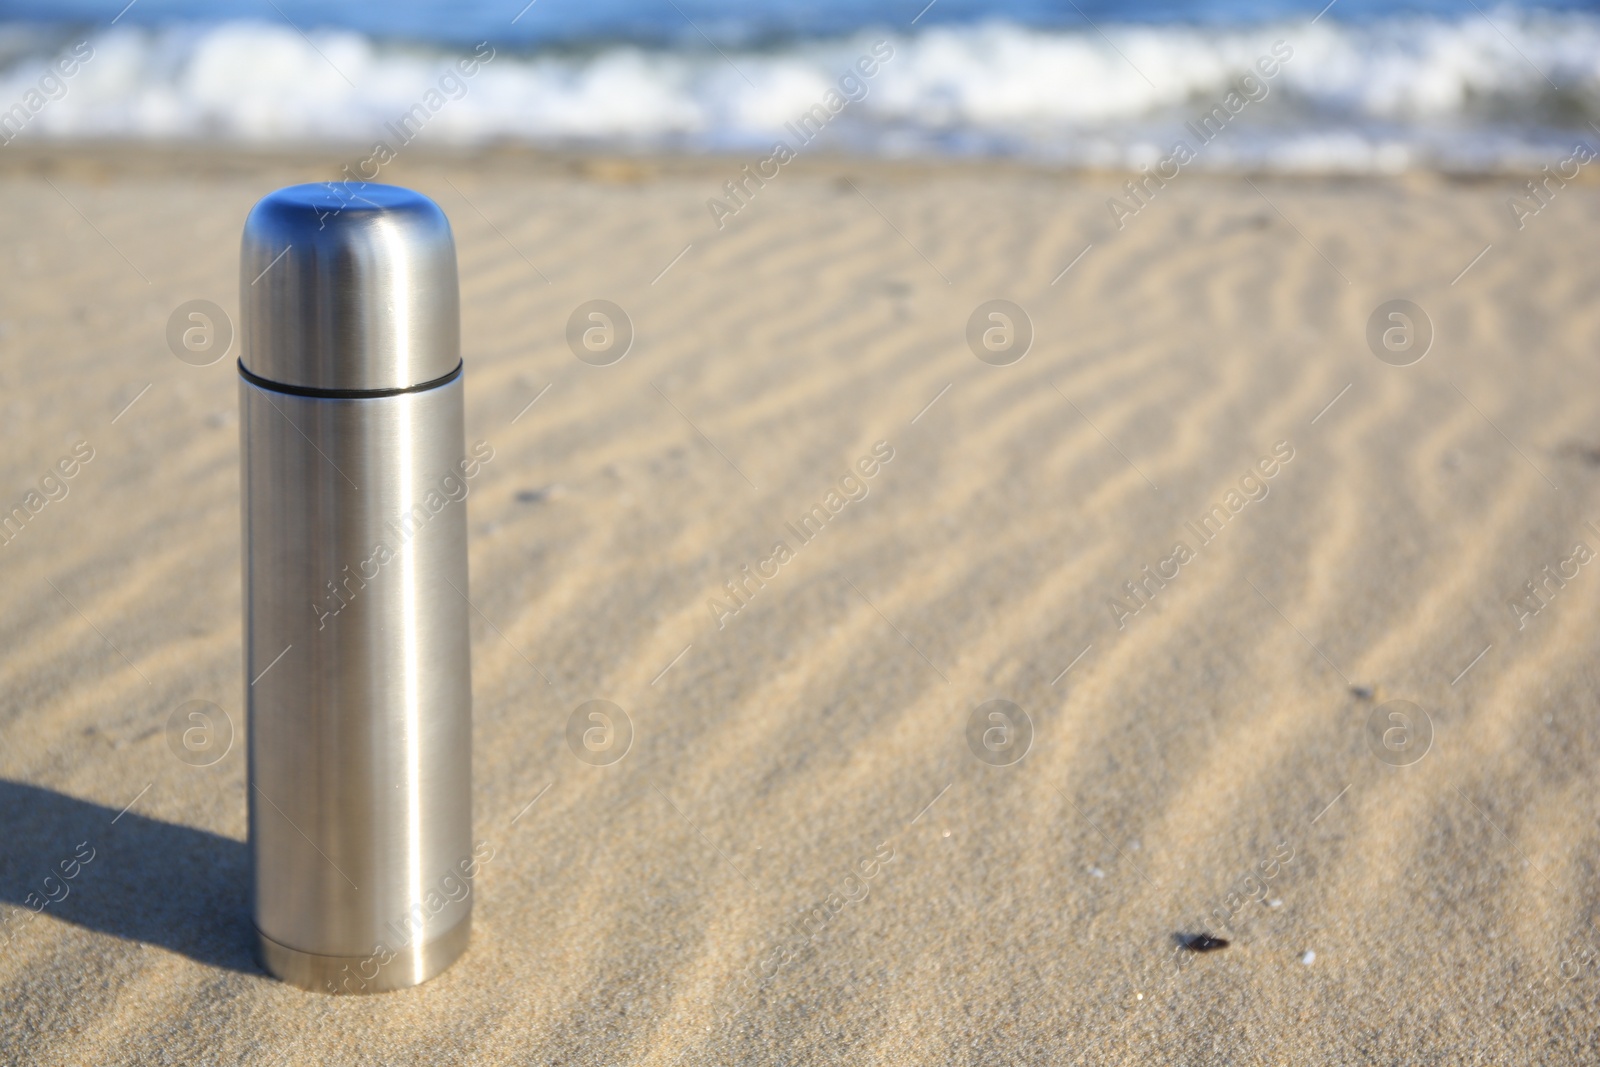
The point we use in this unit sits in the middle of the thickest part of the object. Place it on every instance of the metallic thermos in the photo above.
(357, 671)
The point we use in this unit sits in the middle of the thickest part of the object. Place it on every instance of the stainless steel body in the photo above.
(357, 668)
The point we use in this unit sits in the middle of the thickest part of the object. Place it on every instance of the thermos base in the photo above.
(363, 974)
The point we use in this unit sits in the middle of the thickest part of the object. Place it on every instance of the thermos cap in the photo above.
(349, 287)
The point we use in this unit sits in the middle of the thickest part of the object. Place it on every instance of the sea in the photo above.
(1352, 86)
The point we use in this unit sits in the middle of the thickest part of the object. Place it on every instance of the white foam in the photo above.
(1377, 97)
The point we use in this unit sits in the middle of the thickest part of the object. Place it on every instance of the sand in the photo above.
(1205, 765)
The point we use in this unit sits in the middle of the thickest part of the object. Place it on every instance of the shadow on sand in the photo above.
(185, 890)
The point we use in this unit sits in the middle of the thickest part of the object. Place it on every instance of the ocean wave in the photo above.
(1479, 91)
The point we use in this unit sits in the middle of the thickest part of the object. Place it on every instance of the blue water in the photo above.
(1369, 86)
(739, 23)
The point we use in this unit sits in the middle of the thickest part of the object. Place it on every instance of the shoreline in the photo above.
(617, 165)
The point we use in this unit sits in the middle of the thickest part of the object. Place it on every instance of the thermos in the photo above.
(357, 673)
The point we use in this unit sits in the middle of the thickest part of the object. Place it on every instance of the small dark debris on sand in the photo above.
(535, 496)
(1200, 942)
(1361, 692)
(1582, 451)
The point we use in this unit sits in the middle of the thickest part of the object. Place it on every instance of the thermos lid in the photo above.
(349, 287)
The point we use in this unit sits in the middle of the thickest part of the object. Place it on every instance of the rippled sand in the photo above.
(1210, 747)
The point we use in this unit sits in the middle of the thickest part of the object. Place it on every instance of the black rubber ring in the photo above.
(344, 394)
